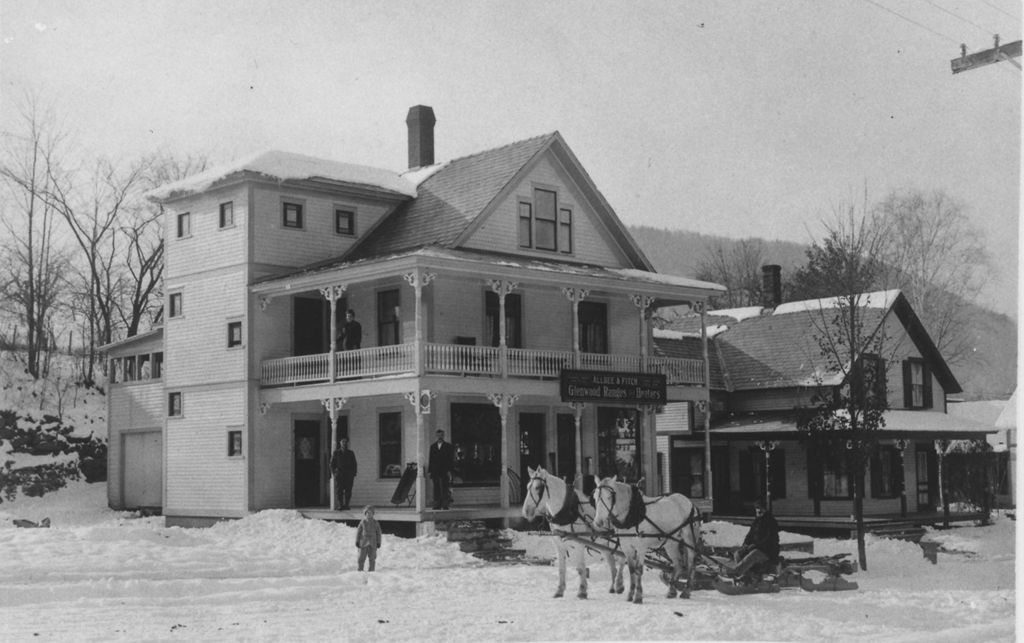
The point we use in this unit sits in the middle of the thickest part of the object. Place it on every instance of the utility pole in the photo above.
(997, 54)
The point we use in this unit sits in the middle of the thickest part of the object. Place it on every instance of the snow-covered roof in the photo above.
(420, 174)
(879, 299)
(1008, 418)
(739, 314)
(671, 280)
(286, 166)
(666, 333)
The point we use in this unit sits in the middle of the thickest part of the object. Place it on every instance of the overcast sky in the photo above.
(735, 118)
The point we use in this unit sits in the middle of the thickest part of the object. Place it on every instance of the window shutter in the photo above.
(926, 374)
(908, 393)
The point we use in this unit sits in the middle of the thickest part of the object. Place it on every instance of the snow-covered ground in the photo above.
(103, 575)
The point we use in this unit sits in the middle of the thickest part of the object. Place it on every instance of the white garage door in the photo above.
(143, 469)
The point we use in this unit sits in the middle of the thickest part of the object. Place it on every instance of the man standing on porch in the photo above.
(351, 337)
(343, 468)
(442, 457)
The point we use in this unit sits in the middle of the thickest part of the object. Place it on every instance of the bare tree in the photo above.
(937, 258)
(738, 268)
(32, 259)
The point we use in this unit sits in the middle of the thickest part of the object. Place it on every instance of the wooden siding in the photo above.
(208, 247)
(316, 240)
(131, 407)
(592, 243)
(201, 479)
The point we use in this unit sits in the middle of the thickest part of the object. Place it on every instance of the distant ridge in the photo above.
(989, 374)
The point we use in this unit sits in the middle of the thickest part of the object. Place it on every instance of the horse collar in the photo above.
(568, 513)
(635, 514)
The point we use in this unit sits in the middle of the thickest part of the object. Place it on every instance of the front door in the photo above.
(566, 457)
(927, 477)
(531, 444)
(307, 463)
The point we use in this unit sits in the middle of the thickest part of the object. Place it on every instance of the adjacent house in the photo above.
(766, 366)
(501, 301)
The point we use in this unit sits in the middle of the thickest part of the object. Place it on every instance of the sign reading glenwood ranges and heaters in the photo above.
(628, 388)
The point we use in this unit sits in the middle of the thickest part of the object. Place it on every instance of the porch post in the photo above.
(502, 288)
(333, 405)
(332, 294)
(418, 280)
(767, 446)
(643, 303)
(420, 401)
(649, 447)
(576, 295)
(701, 308)
(902, 444)
(503, 401)
(577, 416)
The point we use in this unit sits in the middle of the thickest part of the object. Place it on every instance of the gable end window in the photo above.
(344, 221)
(292, 214)
(917, 384)
(234, 334)
(227, 215)
(544, 224)
(175, 305)
(174, 405)
(234, 443)
(184, 225)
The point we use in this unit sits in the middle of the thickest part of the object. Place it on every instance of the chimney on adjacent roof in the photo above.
(771, 285)
(421, 136)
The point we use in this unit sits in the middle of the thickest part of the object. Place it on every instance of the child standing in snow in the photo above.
(368, 538)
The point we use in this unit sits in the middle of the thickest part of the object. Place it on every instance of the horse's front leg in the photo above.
(638, 598)
(631, 565)
(560, 591)
(616, 571)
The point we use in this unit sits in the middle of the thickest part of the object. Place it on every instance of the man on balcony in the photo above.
(351, 336)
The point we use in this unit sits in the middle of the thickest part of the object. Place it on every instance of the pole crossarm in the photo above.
(997, 53)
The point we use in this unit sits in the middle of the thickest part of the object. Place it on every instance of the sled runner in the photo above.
(789, 573)
(406, 490)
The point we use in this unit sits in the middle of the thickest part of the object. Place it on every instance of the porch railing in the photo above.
(458, 359)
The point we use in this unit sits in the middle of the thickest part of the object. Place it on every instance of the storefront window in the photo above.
(618, 443)
(476, 436)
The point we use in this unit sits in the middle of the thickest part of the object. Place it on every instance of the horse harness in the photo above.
(636, 515)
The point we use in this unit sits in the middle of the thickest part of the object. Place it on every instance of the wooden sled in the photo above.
(406, 490)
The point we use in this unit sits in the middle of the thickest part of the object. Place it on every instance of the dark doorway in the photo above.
(531, 443)
(721, 491)
(309, 326)
(927, 477)
(307, 463)
(566, 436)
(619, 446)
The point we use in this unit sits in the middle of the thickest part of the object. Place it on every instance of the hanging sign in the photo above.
(623, 388)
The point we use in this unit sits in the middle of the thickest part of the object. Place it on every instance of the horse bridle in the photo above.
(540, 496)
(612, 519)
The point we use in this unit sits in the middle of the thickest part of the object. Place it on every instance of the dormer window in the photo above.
(344, 221)
(292, 214)
(544, 224)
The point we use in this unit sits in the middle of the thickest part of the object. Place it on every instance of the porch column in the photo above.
(502, 288)
(643, 303)
(649, 447)
(577, 416)
(333, 405)
(941, 447)
(418, 280)
(902, 444)
(767, 446)
(503, 401)
(421, 403)
(332, 294)
(576, 295)
(700, 307)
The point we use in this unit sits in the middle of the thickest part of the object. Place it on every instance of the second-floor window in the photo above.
(513, 320)
(868, 382)
(175, 304)
(227, 214)
(184, 225)
(292, 214)
(234, 334)
(593, 327)
(917, 384)
(544, 224)
(344, 221)
(174, 404)
(389, 322)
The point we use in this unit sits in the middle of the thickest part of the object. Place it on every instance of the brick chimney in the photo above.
(421, 136)
(771, 285)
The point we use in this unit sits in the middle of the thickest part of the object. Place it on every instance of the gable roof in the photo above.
(280, 166)
(778, 348)
(454, 198)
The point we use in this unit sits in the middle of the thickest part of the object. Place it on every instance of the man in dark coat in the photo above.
(351, 337)
(343, 468)
(760, 550)
(442, 458)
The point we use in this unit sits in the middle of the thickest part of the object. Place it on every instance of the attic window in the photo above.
(344, 221)
(292, 213)
(543, 224)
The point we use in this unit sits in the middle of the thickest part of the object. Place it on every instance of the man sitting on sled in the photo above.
(760, 550)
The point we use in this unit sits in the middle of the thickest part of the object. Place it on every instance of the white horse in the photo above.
(569, 515)
(644, 524)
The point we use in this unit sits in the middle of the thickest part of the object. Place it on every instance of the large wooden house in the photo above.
(501, 300)
(766, 367)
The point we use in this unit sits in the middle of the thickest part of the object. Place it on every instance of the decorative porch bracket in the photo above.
(504, 402)
(502, 288)
(333, 405)
(575, 295)
(264, 301)
(419, 280)
(332, 294)
(264, 407)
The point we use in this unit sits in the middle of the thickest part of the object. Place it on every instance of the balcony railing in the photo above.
(458, 359)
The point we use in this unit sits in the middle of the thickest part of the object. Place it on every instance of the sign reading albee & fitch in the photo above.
(625, 388)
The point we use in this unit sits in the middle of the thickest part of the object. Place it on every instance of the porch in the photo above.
(392, 513)
(466, 360)
(891, 525)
